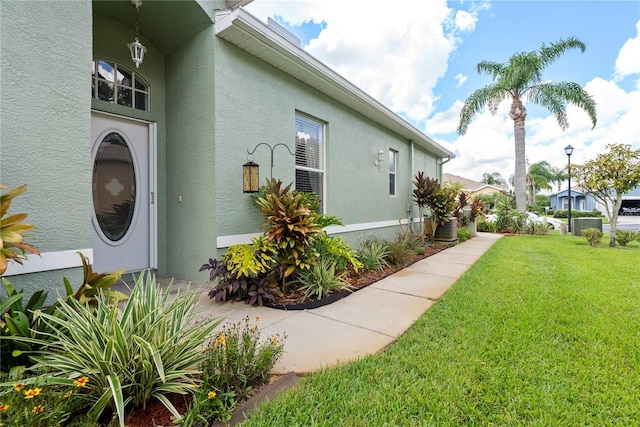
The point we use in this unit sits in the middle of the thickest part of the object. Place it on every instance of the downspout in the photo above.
(411, 170)
(442, 162)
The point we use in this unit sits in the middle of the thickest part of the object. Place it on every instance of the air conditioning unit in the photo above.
(579, 224)
(447, 232)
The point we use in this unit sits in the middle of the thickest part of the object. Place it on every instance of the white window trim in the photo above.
(323, 159)
(394, 173)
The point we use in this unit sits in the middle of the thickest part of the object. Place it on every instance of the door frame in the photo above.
(153, 182)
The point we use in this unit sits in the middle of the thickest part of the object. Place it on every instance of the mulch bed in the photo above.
(294, 300)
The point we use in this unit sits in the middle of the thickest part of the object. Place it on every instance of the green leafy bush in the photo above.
(373, 254)
(20, 321)
(236, 360)
(463, 234)
(398, 254)
(322, 279)
(593, 236)
(130, 356)
(41, 403)
(337, 250)
(290, 226)
(624, 237)
(563, 213)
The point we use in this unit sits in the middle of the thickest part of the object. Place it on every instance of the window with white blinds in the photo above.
(309, 155)
(392, 172)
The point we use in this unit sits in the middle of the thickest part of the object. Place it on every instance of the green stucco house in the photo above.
(141, 166)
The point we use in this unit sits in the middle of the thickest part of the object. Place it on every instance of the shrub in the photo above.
(322, 280)
(23, 323)
(536, 228)
(593, 236)
(463, 234)
(290, 226)
(209, 405)
(373, 254)
(243, 272)
(236, 360)
(130, 356)
(12, 246)
(398, 254)
(563, 213)
(40, 403)
(623, 237)
(337, 250)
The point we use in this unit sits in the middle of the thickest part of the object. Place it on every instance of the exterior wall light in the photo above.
(380, 159)
(250, 172)
(569, 151)
(251, 177)
(136, 48)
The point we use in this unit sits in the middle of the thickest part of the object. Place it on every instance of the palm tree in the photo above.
(539, 177)
(559, 175)
(492, 178)
(520, 80)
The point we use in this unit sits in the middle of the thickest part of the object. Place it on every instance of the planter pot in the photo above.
(447, 232)
(472, 227)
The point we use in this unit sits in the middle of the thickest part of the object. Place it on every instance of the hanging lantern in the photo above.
(136, 48)
(251, 178)
(137, 52)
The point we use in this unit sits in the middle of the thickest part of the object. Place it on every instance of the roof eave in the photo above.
(244, 30)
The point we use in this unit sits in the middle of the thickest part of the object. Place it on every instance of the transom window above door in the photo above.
(118, 84)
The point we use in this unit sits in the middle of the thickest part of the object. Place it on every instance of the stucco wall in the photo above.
(190, 158)
(256, 103)
(44, 123)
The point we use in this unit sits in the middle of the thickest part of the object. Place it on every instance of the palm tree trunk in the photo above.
(518, 114)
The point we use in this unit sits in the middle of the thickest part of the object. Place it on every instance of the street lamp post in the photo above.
(569, 150)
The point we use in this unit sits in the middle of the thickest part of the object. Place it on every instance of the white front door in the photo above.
(122, 236)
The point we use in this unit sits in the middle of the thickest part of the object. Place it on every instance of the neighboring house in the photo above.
(586, 202)
(580, 201)
(142, 167)
(474, 188)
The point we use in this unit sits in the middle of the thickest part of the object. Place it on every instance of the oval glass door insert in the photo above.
(114, 187)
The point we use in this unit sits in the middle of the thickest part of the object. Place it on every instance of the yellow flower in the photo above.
(38, 409)
(81, 382)
(221, 339)
(211, 394)
(4, 408)
(18, 387)
(275, 340)
(195, 386)
(68, 394)
(32, 392)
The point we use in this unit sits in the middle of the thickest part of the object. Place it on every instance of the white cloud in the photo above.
(628, 61)
(395, 54)
(465, 21)
(460, 78)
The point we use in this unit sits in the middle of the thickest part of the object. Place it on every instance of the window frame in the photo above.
(117, 86)
(302, 118)
(393, 172)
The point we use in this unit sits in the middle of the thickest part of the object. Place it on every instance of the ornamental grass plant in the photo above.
(540, 331)
(148, 349)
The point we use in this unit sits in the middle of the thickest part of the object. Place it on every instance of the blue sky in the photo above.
(419, 59)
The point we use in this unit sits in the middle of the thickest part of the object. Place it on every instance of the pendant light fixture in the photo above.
(136, 48)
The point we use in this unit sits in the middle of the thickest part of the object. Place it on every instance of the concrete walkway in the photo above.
(363, 323)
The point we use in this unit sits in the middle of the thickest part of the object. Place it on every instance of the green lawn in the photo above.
(542, 330)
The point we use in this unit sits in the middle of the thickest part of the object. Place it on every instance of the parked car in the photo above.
(552, 223)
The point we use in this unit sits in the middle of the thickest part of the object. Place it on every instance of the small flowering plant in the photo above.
(38, 403)
(237, 359)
